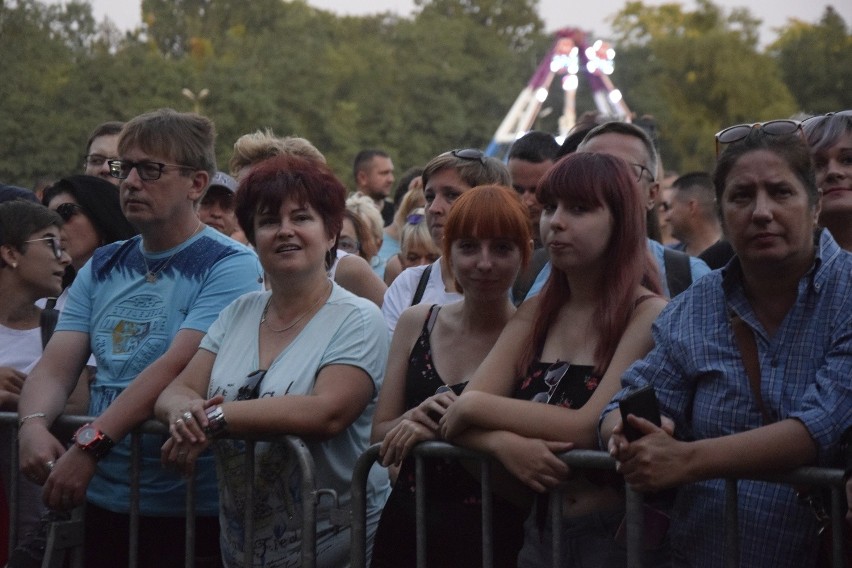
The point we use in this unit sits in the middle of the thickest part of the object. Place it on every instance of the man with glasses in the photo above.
(632, 144)
(102, 147)
(141, 306)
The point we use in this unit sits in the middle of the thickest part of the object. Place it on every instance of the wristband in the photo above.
(216, 424)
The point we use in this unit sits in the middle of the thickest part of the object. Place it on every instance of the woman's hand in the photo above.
(11, 383)
(187, 420)
(417, 425)
(454, 420)
(656, 460)
(182, 455)
(38, 451)
(534, 461)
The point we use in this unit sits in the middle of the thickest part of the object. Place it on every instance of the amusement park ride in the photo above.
(569, 56)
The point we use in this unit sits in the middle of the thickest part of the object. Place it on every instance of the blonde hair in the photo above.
(417, 235)
(250, 149)
(413, 199)
(364, 207)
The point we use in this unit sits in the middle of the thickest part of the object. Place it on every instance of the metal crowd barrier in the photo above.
(577, 459)
(68, 535)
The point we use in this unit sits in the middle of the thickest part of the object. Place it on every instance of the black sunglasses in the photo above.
(814, 121)
(552, 377)
(469, 154)
(251, 390)
(68, 210)
(738, 132)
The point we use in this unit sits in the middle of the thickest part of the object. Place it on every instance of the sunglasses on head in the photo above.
(816, 120)
(469, 154)
(68, 210)
(738, 132)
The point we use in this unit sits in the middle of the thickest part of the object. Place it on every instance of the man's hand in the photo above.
(655, 461)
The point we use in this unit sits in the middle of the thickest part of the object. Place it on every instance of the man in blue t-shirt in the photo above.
(141, 307)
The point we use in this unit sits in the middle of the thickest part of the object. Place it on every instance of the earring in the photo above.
(14, 265)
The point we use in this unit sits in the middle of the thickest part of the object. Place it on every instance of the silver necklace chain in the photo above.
(300, 318)
(151, 275)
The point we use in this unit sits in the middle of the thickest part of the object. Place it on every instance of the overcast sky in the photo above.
(591, 16)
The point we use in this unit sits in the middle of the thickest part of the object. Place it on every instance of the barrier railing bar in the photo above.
(135, 496)
(309, 500)
(732, 524)
(14, 480)
(555, 505)
(358, 511)
(635, 514)
(420, 507)
(189, 547)
(487, 515)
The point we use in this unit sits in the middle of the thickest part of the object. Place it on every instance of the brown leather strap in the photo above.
(747, 345)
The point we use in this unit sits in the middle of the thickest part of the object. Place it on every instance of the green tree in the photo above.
(696, 72)
(816, 62)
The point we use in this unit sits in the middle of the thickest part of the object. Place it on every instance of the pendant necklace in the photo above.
(151, 275)
(300, 318)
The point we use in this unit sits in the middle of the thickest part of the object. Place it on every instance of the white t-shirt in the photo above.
(398, 297)
(347, 330)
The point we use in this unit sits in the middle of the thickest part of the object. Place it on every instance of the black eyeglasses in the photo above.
(54, 243)
(469, 154)
(95, 160)
(642, 170)
(552, 377)
(68, 210)
(414, 218)
(148, 171)
(737, 132)
(349, 245)
(251, 390)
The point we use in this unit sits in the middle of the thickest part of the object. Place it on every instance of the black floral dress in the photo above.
(453, 513)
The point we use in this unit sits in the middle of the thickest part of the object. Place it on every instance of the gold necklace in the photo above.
(151, 276)
(300, 318)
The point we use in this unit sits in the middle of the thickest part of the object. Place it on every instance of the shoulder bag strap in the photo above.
(421, 286)
(678, 271)
(747, 345)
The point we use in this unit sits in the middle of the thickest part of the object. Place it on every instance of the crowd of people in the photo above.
(507, 308)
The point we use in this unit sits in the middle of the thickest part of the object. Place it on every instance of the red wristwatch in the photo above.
(92, 441)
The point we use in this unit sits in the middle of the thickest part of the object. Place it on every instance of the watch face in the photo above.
(86, 435)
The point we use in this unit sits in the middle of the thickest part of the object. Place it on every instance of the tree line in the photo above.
(415, 86)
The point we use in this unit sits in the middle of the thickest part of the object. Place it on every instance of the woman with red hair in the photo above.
(567, 348)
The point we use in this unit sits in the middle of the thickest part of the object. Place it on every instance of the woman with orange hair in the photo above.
(486, 241)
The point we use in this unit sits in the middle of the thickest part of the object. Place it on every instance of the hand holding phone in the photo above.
(641, 403)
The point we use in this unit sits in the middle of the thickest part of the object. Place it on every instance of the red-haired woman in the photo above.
(567, 348)
(305, 358)
(486, 240)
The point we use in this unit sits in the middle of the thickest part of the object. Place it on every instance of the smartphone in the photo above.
(641, 403)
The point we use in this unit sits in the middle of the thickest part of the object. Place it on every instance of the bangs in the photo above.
(575, 183)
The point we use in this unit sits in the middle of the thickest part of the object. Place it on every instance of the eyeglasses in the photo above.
(251, 390)
(552, 377)
(738, 132)
(148, 171)
(469, 154)
(95, 160)
(414, 218)
(68, 210)
(54, 243)
(349, 245)
(642, 170)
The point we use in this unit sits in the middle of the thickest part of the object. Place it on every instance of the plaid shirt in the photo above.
(700, 380)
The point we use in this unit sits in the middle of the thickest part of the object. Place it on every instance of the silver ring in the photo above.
(49, 464)
(187, 416)
(179, 420)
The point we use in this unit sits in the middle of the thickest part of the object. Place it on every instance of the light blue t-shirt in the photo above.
(347, 330)
(131, 323)
(697, 268)
(390, 247)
